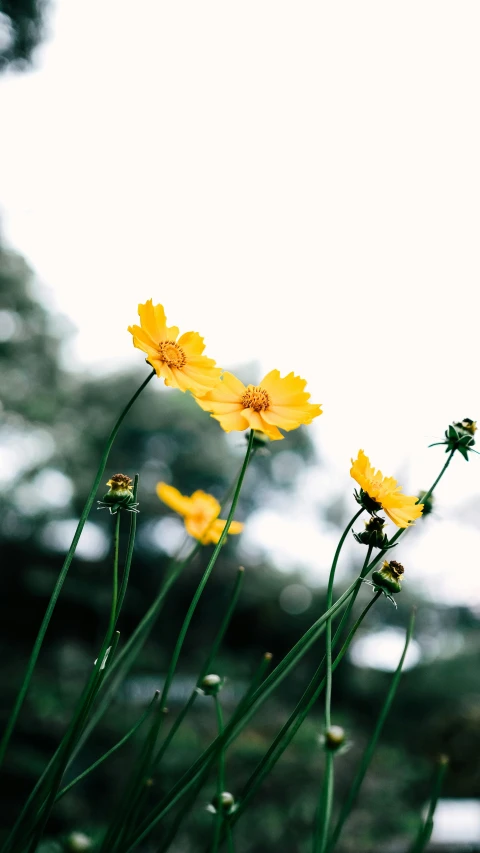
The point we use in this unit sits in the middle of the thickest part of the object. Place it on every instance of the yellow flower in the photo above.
(200, 512)
(385, 491)
(276, 402)
(178, 360)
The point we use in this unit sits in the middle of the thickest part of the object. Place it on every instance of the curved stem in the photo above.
(426, 826)
(368, 754)
(63, 573)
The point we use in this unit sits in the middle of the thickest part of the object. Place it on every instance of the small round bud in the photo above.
(225, 802)
(427, 502)
(210, 685)
(334, 737)
(459, 436)
(77, 841)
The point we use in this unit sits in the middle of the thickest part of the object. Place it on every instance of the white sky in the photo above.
(299, 182)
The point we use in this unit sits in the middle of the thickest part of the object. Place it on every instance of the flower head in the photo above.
(459, 436)
(120, 495)
(379, 492)
(177, 360)
(200, 512)
(389, 578)
(275, 403)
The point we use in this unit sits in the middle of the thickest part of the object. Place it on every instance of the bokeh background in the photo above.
(300, 184)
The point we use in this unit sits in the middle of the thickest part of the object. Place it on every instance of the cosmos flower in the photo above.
(275, 403)
(200, 512)
(384, 493)
(177, 360)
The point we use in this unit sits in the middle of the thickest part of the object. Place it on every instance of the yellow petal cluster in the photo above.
(200, 512)
(275, 403)
(401, 509)
(177, 360)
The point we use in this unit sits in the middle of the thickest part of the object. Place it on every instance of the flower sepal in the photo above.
(459, 436)
(366, 502)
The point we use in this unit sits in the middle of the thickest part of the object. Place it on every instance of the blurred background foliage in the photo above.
(22, 27)
(53, 426)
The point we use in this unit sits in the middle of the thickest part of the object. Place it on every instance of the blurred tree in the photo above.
(22, 27)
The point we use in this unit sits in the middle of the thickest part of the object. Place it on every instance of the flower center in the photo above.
(255, 398)
(172, 354)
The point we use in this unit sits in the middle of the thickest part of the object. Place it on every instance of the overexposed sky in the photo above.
(298, 182)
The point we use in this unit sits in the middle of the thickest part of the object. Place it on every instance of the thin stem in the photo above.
(301, 711)
(328, 627)
(426, 826)
(402, 530)
(368, 754)
(129, 554)
(231, 848)
(113, 608)
(220, 781)
(63, 573)
(203, 582)
(110, 752)
(324, 810)
(206, 666)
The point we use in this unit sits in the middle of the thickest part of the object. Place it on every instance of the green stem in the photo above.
(129, 554)
(328, 627)
(301, 711)
(402, 530)
(201, 586)
(220, 781)
(63, 573)
(324, 810)
(113, 607)
(368, 754)
(110, 752)
(426, 827)
(236, 724)
(206, 666)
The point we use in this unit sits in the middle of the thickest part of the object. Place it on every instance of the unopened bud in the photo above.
(388, 578)
(334, 737)
(459, 436)
(260, 439)
(210, 685)
(373, 534)
(77, 841)
(224, 802)
(427, 503)
(119, 495)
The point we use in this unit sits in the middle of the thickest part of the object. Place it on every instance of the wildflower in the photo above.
(119, 496)
(179, 362)
(459, 436)
(200, 512)
(275, 403)
(379, 492)
(388, 579)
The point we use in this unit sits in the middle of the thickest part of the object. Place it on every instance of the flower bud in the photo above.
(373, 534)
(210, 685)
(387, 580)
(459, 436)
(334, 738)
(77, 841)
(119, 495)
(224, 802)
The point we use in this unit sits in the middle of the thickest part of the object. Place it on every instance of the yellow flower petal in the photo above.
(401, 509)
(173, 498)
